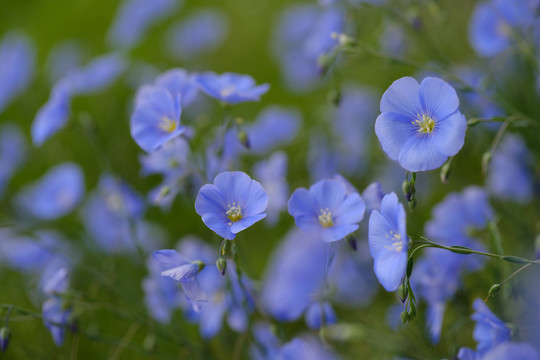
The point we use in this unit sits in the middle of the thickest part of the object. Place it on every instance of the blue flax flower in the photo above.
(201, 32)
(56, 312)
(16, 66)
(327, 208)
(53, 116)
(510, 174)
(420, 126)
(54, 195)
(13, 152)
(272, 174)
(161, 294)
(177, 267)
(388, 242)
(230, 88)
(179, 83)
(274, 126)
(489, 331)
(156, 118)
(504, 351)
(231, 204)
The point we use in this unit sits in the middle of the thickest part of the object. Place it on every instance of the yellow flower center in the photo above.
(397, 242)
(234, 213)
(425, 124)
(227, 90)
(167, 124)
(325, 218)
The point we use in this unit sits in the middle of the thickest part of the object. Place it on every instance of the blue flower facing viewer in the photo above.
(327, 208)
(420, 125)
(388, 242)
(231, 204)
(230, 88)
(156, 118)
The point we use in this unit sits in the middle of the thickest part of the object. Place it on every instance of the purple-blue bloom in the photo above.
(13, 151)
(56, 318)
(53, 116)
(178, 268)
(274, 126)
(495, 23)
(510, 171)
(388, 242)
(328, 209)
(201, 32)
(272, 174)
(489, 331)
(134, 18)
(16, 66)
(420, 126)
(230, 88)
(514, 351)
(179, 83)
(54, 195)
(231, 204)
(161, 294)
(156, 118)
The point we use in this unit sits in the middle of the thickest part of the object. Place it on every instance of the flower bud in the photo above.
(486, 159)
(244, 139)
(352, 242)
(5, 336)
(406, 189)
(494, 289)
(334, 96)
(412, 204)
(403, 292)
(221, 265)
(445, 172)
(404, 316)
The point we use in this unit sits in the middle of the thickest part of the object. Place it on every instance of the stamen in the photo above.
(325, 218)
(167, 124)
(234, 213)
(424, 123)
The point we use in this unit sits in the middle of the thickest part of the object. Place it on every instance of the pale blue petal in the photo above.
(438, 99)
(421, 154)
(394, 130)
(449, 134)
(402, 97)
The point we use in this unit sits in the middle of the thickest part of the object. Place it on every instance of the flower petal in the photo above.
(421, 154)
(394, 130)
(449, 134)
(438, 98)
(244, 223)
(402, 97)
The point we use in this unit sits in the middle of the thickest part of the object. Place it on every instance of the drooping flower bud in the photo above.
(5, 337)
(221, 265)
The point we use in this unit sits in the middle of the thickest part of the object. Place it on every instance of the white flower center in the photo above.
(325, 218)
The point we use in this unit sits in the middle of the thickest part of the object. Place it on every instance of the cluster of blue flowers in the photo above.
(278, 190)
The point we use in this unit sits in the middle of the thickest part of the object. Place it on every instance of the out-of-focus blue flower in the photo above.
(170, 159)
(111, 215)
(302, 35)
(294, 276)
(514, 351)
(200, 32)
(495, 23)
(231, 204)
(156, 118)
(27, 254)
(161, 294)
(64, 58)
(308, 348)
(266, 346)
(135, 17)
(13, 149)
(489, 330)
(315, 314)
(420, 126)
(56, 194)
(272, 174)
(326, 208)
(388, 242)
(97, 75)
(393, 40)
(56, 312)
(323, 162)
(510, 174)
(177, 267)
(373, 195)
(230, 88)
(53, 116)
(16, 66)
(274, 126)
(179, 83)
(437, 276)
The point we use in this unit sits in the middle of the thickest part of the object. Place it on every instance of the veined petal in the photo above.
(169, 259)
(336, 233)
(235, 186)
(244, 223)
(183, 273)
(257, 199)
(394, 130)
(328, 194)
(390, 269)
(193, 291)
(301, 202)
(438, 98)
(351, 211)
(449, 134)
(402, 97)
(421, 154)
(210, 200)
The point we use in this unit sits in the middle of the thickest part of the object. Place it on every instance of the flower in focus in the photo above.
(230, 88)
(156, 118)
(56, 194)
(177, 267)
(420, 126)
(388, 242)
(231, 204)
(327, 208)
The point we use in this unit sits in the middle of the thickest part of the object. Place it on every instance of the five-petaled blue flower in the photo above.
(231, 204)
(327, 208)
(177, 267)
(388, 242)
(420, 126)
(156, 118)
(230, 88)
